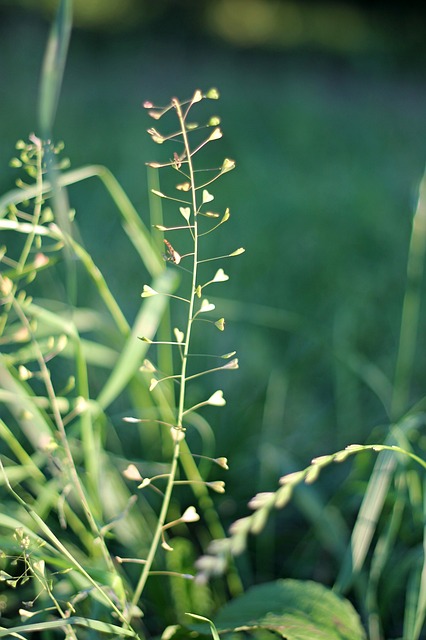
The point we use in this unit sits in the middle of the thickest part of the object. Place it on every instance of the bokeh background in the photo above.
(323, 109)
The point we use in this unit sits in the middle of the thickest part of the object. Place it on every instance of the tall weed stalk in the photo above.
(39, 337)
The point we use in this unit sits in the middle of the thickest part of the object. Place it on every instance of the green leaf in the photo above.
(293, 609)
(133, 351)
(53, 67)
(132, 224)
(95, 625)
(213, 629)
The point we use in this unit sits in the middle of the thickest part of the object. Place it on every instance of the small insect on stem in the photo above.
(173, 256)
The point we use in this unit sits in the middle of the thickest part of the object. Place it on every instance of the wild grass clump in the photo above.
(109, 475)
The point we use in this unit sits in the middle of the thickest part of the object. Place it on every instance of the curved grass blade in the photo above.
(132, 224)
(132, 354)
(94, 625)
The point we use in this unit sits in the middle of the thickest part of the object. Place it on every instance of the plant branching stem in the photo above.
(181, 404)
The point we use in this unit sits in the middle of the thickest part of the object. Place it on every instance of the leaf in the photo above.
(293, 609)
(95, 625)
(213, 629)
(53, 67)
(133, 351)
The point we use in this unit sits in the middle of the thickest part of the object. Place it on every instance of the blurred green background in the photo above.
(323, 109)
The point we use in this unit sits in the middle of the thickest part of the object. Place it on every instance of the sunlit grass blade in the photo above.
(22, 456)
(102, 287)
(134, 351)
(214, 632)
(411, 307)
(132, 224)
(33, 422)
(373, 500)
(94, 625)
(420, 615)
(63, 550)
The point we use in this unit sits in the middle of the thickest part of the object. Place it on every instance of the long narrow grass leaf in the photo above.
(132, 224)
(134, 350)
(54, 540)
(53, 67)
(33, 422)
(411, 306)
(94, 625)
(421, 593)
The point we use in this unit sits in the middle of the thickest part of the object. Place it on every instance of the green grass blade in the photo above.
(53, 67)
(54, 540)
(421, 597)
(95, 625)
(24, 459)
(411, 307)
(133, 352)
(214, 632)
(33, 422)
(385, 465)
(132, 224)
(102, 287)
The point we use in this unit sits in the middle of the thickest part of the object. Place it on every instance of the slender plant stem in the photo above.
(61, 428)
(181, 404)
